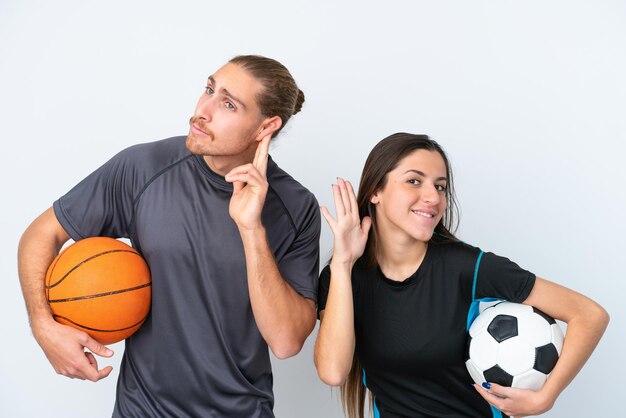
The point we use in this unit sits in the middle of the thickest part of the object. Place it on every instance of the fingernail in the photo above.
(108, 351)
(487, 385)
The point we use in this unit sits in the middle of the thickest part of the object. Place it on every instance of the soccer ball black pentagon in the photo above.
(512, 344)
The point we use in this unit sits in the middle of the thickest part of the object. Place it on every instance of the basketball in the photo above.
(100, 286)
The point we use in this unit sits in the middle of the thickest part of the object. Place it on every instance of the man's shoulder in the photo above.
(162, 151)
(147, 159)
(299, 201)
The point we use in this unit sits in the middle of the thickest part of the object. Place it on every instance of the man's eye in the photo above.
(230, 106)
(209, 90)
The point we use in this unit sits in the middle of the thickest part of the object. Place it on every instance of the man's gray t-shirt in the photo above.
(199, 353)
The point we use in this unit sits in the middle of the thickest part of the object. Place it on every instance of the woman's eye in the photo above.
(230, 106)
(414, 182)
(209, 90)
(441, 188)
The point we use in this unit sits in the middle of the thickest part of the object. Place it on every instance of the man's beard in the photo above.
(194, 145)
(216, 147)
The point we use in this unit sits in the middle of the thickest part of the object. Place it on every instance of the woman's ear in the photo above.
(269, 126)
(375, 198)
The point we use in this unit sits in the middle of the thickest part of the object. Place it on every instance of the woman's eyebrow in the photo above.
(424, 175)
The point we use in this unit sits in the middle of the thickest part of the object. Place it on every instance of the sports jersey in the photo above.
(199, 352)
(411, 335)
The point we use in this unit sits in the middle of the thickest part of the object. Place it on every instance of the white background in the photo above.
(528, 98)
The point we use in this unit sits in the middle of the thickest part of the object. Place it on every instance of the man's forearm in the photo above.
(284, 318)
(38, 246)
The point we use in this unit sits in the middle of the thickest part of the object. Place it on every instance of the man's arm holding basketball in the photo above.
(284, 317)
(63, 345)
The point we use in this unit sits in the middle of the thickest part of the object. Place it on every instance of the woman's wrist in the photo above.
(546, 398)
(341, 266)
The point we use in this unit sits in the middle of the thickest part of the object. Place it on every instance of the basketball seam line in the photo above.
(83, 262)
(56, 261)
(100, 330)
(114, 292)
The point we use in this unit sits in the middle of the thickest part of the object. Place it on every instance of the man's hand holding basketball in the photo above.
(249, 189)
(64, 347)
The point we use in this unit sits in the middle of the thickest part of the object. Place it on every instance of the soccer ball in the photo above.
(512, 344)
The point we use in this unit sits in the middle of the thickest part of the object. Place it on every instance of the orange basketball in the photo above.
(100, 286)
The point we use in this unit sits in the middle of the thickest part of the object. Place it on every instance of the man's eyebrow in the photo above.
(424, 175)
(227, 93)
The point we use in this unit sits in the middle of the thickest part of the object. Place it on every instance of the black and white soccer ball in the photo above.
(513, 344)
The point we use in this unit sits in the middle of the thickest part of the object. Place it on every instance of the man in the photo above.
(232, 242)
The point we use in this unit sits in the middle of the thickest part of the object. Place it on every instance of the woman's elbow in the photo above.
(603, 316)
(597, 315)
(329, 371)
(331, 377)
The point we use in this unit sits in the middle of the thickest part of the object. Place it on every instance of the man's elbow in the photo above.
(287, 343)
(286, 348)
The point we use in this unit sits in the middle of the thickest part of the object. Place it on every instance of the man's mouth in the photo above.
(197, 129)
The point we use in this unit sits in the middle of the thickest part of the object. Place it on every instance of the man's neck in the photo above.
(222, 165)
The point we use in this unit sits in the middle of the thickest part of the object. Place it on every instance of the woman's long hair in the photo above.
(383, 158)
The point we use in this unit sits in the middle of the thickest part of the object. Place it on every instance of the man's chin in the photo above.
(194, 146)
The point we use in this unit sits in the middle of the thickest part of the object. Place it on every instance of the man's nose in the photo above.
(205, 107)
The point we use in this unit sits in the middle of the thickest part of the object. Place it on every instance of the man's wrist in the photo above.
(40, 324)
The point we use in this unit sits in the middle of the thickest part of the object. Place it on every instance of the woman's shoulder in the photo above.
(455, 250)
(363, 273)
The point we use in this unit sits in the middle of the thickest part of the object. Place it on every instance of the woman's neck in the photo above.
(399, 259)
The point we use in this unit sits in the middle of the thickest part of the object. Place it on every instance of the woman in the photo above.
(394, 300)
